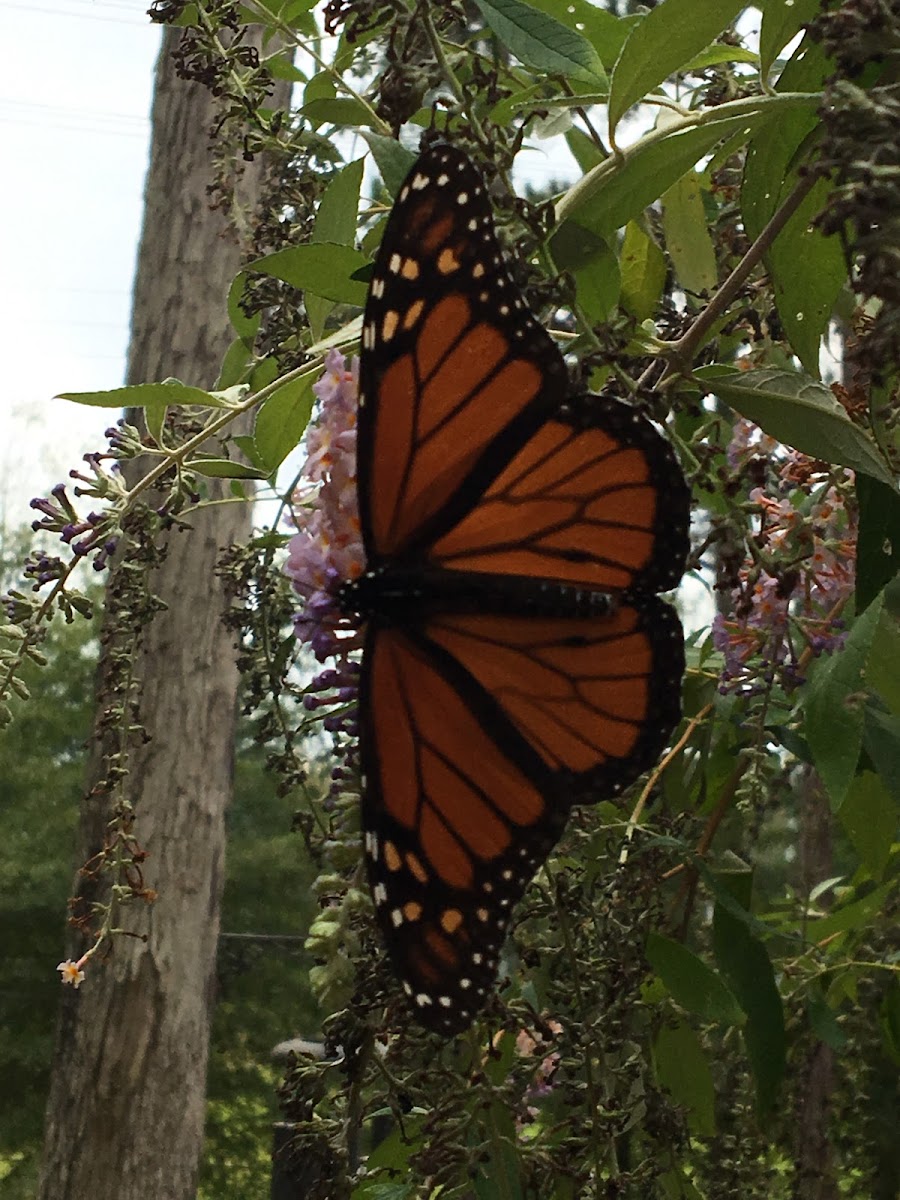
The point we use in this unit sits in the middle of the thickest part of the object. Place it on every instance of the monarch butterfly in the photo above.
(516, 658)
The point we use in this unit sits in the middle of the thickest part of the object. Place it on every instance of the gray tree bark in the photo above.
(126, 1109)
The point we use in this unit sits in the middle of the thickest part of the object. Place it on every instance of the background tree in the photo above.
(693, 1004)
(139, 1037)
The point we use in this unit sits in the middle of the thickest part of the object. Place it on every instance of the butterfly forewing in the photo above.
(595, 498)
(452, 362)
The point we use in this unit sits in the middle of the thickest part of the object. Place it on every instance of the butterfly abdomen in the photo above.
(398, 596)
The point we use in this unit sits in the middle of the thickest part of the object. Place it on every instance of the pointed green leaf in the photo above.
(139, 395)
(621, 188)
(682, 1069)
(781, 22)
(325, 269)
(393, 160)
(281, 422)
(687, 235)
(869, 816)
(854, 914)
(605, 32)
(225, 468)
(878, 543)
(245, 327)
(155, 417)
(719, 52)
(881, 738)
(676, 1185)
(835, 707)
(745, 964)
(799, 411)
(335, 222)
(691, 983)
(643, 268)
(823, 1022)
(768, 176)
(883, 674)
(541, 42)
(235, 365)
(338, 110)
(662, 43)
(584, 150)
(808, 270)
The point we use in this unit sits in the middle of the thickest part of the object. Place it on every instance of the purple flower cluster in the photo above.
(327, 548)
(86, 535)
(792, 587)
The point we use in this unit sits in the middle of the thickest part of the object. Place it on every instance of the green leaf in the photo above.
(682, 1068)
(324, 268)
(335, 222)
(780, 23)
(584, 150)
(878, 543)
(769, 168)
(889, 1021)
(155, 416)
(499, 1174)
(621, 188)
(835, 707)
(869, 816)
(823, 1022)
(799, 411)
(139, 395)
(541, 42)
(237, 359)
(675, 1185)
(245, 327)
(883, 675)
(745, 964)
(393, 160)
(247, 447)
(338, 110)
(282, 420)
(691, 983)
(719, 52)
(338, 208)
(667, 38)
(598, 284)
(225, 468)
(592, 263)
(605, 32)
(881, 738)
(320, 87)
(687, 235)
(643, 268)
(852, 915)
(808, 270)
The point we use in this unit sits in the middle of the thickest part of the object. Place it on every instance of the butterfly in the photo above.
(516, 658)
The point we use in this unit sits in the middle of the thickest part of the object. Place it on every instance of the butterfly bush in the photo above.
(792, 585)
(327, 548)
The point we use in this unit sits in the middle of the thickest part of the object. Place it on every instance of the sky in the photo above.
(75, 96)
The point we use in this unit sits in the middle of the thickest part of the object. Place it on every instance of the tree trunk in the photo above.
(126, 1108)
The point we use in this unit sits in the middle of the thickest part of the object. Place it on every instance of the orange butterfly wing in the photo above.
(516, 660)
(479, 732)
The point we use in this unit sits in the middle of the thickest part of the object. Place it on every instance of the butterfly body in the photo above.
(517, 659)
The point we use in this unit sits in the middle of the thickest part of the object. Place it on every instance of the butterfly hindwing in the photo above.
(479, 733)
